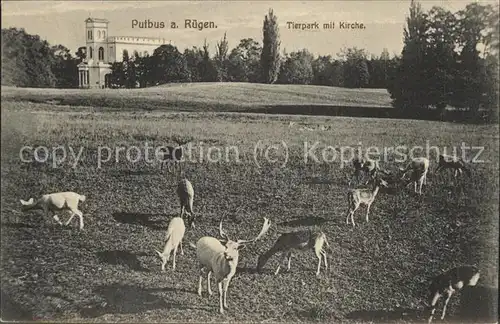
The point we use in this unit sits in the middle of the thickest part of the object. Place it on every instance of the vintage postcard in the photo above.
(250, 161)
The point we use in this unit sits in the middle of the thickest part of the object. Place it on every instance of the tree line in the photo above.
(448, 59)
(441, 63)
(28, 61)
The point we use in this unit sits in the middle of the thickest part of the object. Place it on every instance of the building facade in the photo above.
(102, 50)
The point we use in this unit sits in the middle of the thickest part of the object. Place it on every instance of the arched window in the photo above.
(101, 54)
(89, 34)
(98, 34)
(103, 34)
(91, 54)
(145, 53)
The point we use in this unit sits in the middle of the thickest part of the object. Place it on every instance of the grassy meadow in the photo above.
(109, 272)
(235, 97)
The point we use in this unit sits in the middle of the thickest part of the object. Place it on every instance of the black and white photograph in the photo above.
(250, 161)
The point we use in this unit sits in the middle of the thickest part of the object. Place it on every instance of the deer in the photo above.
(449, 282)
(172, 155)
(59, 201)
(361, 196)
(419, 167)
(287, 243)
(185, 192)
(175, 234)
(369, 167)
(452, 162)
(220, 258)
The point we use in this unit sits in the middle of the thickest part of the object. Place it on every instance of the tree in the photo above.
(475, 84)
(208, 68)
(439, 67)
(244, 61)
(407, 91)
(270, 58)
(64, 67)
(117, 75)
(194, 59)
(221, 61)
(355, 67)
(81, 53)
(27, 61)
(297, 68)
(169, 65)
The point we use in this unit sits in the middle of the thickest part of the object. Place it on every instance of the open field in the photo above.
(221, 97)
(109, 271)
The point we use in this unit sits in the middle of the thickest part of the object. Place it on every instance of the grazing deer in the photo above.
(448, 283)
(368, 167)
(60, 201)
(419, 167)
(175, 234)
(296, 241)
(220, 257)
(172, 155)
(358, 197)
(452, 162)
(185, 192)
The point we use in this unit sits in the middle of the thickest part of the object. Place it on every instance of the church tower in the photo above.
(96, 34)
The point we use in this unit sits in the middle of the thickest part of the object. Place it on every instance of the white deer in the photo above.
(220, 257)
(175, 234)
(60, 201)
(419, 167)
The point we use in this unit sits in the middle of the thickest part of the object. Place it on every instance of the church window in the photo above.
(101, 54)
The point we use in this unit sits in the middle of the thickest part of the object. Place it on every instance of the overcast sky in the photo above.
(63, 21)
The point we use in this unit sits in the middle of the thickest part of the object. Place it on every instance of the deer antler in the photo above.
(263, 231)
(221, 231)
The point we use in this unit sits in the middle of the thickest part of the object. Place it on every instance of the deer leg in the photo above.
(450, 293)
(182, 210)
(367, 211)
(173, 258)
(221, 298)
(182, 251)
(323, 253)
(433, 306)
(289, 260)
(283, 256)
(79, 214)
(352, 213)
(208, 282)
(69, 219)
(318, 254)
(226, 286)
(199, 282)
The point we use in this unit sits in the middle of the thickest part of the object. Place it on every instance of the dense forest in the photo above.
(448, 59)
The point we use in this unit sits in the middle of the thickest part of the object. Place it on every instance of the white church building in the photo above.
(102, 50)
